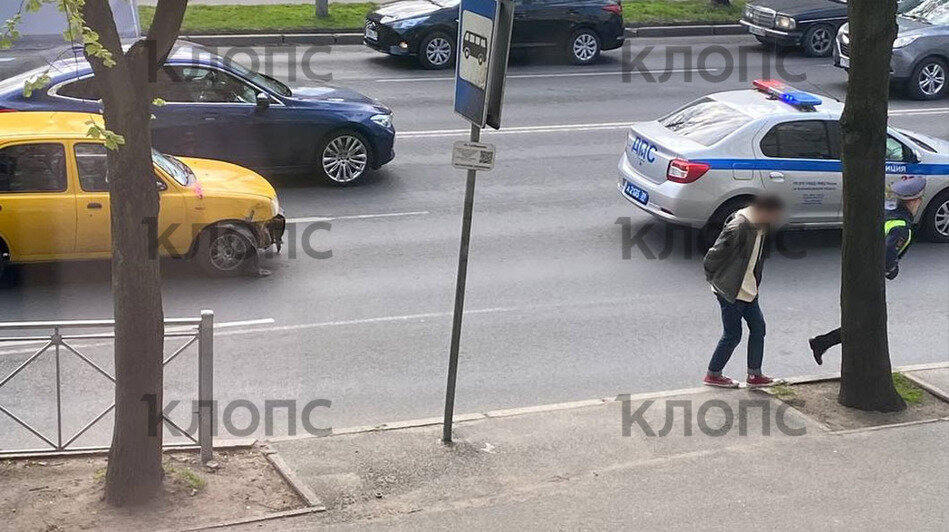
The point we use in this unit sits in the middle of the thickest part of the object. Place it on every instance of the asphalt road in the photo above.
(554, 311)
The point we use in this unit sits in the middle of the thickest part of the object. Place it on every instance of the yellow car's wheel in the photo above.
(226, 251)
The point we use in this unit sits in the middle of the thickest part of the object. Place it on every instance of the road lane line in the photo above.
(601, 126)
(312, 219)
(557, 75)
(222, 325)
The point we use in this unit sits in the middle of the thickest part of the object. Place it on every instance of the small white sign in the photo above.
(472, 155)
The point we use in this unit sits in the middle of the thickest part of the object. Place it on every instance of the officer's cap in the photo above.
(908, 189)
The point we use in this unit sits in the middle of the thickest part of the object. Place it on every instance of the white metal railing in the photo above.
(58, 343)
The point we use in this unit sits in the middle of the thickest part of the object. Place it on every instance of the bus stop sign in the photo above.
(484, 36)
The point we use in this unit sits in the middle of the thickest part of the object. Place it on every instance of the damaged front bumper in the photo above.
(270, 232)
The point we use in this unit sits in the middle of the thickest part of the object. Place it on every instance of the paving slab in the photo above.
(937, 379)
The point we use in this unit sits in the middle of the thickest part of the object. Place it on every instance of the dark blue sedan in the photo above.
(217, 109)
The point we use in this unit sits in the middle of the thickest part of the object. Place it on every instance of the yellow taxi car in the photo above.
(54, 200)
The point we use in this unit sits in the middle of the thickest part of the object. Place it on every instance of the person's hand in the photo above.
(893, 272)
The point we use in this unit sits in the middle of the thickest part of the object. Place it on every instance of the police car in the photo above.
(701, 163)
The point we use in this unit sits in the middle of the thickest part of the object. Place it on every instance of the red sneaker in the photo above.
(761, 381)
(720, 381)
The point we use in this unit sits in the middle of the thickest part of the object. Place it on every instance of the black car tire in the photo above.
(934, 69)
(225, 251)
(935, 222)
(353, 153)
(818, 40)
(709, 234)
(583, 47)
(437, 51)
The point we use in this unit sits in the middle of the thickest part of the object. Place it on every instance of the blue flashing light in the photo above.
(786, 94)
(800, 99)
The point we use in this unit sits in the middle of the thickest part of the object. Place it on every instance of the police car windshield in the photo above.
(705, 121)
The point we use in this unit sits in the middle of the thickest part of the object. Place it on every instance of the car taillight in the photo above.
(614, 8)
(5, 110)
(682, 171)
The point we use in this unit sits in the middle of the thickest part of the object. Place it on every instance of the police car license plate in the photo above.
(755, 30)
(372, 34)
(636, 193)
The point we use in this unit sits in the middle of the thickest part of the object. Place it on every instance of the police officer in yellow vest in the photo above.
(898, 230)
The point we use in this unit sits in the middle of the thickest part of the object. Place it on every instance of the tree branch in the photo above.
(164, 31)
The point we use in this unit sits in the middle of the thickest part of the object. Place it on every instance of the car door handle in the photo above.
(94, 205)
(776, 176)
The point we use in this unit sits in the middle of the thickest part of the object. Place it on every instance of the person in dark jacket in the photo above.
(898, 231)
(733, 267)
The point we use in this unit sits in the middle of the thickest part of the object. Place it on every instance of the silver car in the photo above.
(920, 51)
(701, 163)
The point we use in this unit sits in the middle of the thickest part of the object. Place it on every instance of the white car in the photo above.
(701, 163)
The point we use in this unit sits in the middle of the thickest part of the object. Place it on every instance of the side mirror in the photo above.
(263, 100)
(162, 186)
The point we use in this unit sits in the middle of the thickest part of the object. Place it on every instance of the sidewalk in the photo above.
(570, 467)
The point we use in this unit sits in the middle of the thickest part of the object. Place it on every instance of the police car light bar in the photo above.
(787, 94)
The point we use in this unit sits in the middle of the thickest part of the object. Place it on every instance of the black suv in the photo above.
(428, 29)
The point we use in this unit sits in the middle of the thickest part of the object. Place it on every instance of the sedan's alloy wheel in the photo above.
(821, 40)
(438, 51)
(345, 158)
(584, 47)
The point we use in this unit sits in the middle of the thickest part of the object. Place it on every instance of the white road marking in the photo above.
(38, 343)
(7, 59)
(560, 128)
(556, 75)
(312, 219)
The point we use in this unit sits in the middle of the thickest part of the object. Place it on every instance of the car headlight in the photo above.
(845, 38)
(904, 41)
(382, 120)
(784, 23)
(407, 23)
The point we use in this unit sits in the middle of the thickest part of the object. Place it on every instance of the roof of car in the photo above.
(757, 104)
(46, 125)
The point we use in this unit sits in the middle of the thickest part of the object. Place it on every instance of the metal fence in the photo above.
(58, 343)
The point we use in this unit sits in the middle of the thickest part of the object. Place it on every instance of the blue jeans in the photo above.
(732, 314)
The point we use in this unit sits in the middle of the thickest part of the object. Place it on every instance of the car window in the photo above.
(92, 163)
(803, 139)
(705, 121)
(82, 89)
(896, 151)
(179, 84)
(33, 168)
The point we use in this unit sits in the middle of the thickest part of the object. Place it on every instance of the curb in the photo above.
(286, 472)
(354, 36)
(225, 444)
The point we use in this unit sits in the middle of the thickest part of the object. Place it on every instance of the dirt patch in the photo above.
(819, 401)
(57, 494)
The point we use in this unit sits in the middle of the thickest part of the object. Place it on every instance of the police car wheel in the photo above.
(936, 219)
(716, 223)
(437, 51)
(583, 47)
(928, 81)
(818, 41)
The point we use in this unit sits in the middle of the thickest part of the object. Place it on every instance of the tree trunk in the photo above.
(865, 374)
(134, 472)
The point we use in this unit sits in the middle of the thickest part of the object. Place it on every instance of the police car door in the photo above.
(798, 161)
(900, 158)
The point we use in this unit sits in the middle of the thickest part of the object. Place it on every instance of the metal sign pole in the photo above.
(459, 295)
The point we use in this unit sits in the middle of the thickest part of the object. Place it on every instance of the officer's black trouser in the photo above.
(826, 341)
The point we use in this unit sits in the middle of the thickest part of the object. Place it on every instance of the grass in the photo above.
(249, 18)
(783, 392)
(231, 18)
(187, 476)
(907, 389)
